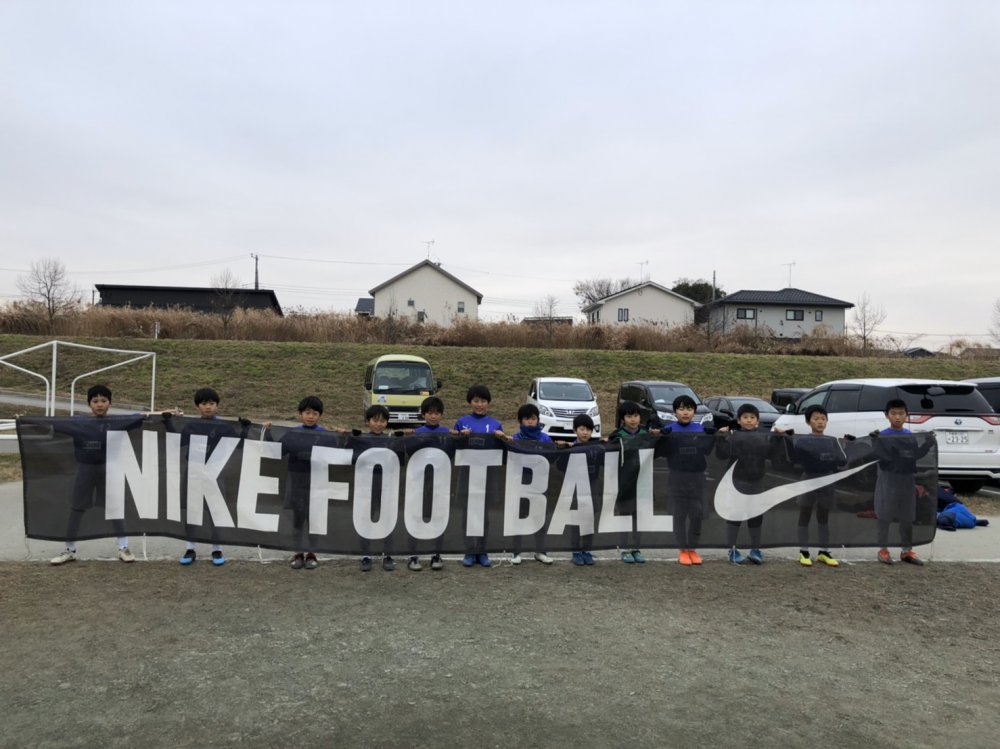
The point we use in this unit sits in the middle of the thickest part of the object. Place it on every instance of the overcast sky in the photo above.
(536, 143)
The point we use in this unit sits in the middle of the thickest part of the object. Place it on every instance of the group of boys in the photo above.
(685, 444)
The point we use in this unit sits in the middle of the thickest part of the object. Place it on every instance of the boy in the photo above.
(629, 428)
(685, 445)
(530, 431)
(478, 422)
(377, 421)
(897, 452)
(90, 447)
(431, 411)
(583, 427)
(818, 455)
(296, 446)
(209, 425)
(749, 449)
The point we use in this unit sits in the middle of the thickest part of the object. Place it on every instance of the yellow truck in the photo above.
(400, 383)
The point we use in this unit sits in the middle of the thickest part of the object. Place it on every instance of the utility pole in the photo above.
(256, 274)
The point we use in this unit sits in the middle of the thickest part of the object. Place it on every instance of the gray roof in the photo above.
(439, 269)
(365, 306)
(796, 297)
(198, 298)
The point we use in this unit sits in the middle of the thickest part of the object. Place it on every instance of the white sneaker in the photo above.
(125, 555)
(66, 556)
(541, 556)
(515, 559)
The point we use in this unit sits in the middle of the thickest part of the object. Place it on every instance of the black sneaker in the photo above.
(311, 561)
(366, 564)
(387, 564)
(298, 561)
(436, 562)
(217, 558)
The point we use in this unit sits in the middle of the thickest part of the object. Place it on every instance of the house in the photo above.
(200, 299)
(645, 303)
(917, 352)
(425, 293)
(788, 313)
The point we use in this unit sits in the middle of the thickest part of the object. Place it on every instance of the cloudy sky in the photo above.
(536, 143)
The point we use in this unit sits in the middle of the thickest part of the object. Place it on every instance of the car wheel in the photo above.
(966, 486)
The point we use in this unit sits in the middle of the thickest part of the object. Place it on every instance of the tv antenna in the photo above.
(789, 266)
(643, 271)
(429, 242)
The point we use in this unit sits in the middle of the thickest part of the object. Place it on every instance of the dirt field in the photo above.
(154, 654)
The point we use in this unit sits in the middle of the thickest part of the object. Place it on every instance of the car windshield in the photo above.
(402, 376)
(944, 399)
(664, 395)
(565, 391)
(763, 406)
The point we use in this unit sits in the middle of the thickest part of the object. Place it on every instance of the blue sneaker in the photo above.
(468, 560)
(755, 556)
(735, 557)
(588, 558)
(578, 558)
(627, 557)
(484, 560)
(217, 558)
(637, 557)
(189, 557)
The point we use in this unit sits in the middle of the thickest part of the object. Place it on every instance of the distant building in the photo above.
(200, 299)
(424, 293)
(917, 352)
(788, 313)
(547, 321)
(645, 303)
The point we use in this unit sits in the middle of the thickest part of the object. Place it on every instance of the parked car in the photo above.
(656, 401)
(968, 438)
(724, 408)
(560, 400)
(990, 388)
(782, 398)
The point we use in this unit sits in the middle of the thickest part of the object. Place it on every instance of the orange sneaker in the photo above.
(693, 556)
(910, 557)
(684, 557)
(884, 557)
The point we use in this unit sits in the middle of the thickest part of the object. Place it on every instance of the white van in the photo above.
(967, 429)
(560, 400)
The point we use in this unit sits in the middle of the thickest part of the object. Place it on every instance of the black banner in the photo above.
(220, 481)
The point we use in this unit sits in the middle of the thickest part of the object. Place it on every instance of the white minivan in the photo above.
(967, 429)
(560, 400)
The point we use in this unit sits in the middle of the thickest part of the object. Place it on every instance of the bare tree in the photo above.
(590, 291)
(867, 317)
(225, 301)
(546, 314)
(995, 321)
(47, 285)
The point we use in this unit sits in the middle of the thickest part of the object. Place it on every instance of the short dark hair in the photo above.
(896, 403)
(527, 411)
(748, 408)
(478, 391)
(312, 403)
(372, 411)
(582, 420)
(204, 395)
(98, 390)
(432, 404)
(685, 401)
(629, 408)
(815, 409)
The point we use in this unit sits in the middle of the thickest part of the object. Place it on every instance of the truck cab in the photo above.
(399, 382)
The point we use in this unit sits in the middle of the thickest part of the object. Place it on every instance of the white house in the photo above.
(788, 313)
(426, 293)
(645, 303)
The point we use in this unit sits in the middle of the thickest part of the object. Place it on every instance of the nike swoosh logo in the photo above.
(732, 504)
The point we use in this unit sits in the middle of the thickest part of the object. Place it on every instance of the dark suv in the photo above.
(656, 402)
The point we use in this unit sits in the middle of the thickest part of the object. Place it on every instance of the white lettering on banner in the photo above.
(364, 479)
(611, 523)
(416, 476)
(478, 461)
(645, 517)
(576, 483)
(122, 468)
(252, 485)
(203, 480)
(537, 466)
(173, 477)
(321, 489)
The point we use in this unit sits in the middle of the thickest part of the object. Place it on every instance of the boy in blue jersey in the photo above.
(90, 447)
(530, 430)
(897, 452)
(478, 422)
(686, 444)
(628, 429)
(432, 411)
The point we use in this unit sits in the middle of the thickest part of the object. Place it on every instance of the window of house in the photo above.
(623, 314)
(461, 307)
(795, 314)
(745, 313)
(410, 303)
(421, 315)
(819, 315)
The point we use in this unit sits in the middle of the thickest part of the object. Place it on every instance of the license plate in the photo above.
(957, 438)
